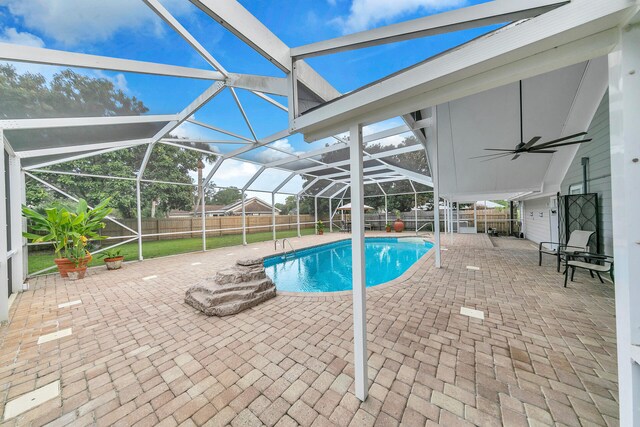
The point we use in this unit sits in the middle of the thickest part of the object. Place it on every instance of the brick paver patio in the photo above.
(138, 355)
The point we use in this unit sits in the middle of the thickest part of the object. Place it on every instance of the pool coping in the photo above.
(410, 272)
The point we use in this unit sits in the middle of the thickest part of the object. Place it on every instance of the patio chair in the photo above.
(578, 242)
(594, 263)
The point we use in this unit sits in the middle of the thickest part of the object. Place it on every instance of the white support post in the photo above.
(485, 216)
(444, 211)
(143, 166)
(4, 272)
(458, 217)
(330, 216)
(358, 264)
(244, 222)
(451, 217)
(446, 216)
(624, 108)
(273, 214)
(139, 215)
(25, 249)
(315, 211)
(415, 201)
(298, 214)
(16, 196)
(475, 217)
(432, 138)
(386, 211)
(204, 220)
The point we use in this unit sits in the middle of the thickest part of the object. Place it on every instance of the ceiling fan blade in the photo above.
(531, 142)
(515, 157)
(499, 149)
(561, 139)
(563, 144)
(542, 151)
(490, 155)
(496, 157)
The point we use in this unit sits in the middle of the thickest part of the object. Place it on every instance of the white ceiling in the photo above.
(491, 119)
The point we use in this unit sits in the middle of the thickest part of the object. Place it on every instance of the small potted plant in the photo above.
(398, 225)
(77, 254)
(113, 259)
(388, 227)
(68, 231)
(320, 228)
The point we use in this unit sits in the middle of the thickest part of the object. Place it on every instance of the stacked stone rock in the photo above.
(232, 291)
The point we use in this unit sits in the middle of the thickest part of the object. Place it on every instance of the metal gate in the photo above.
(580, 212)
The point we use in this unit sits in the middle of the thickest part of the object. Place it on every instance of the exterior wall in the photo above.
(599, 172)
(537, 226)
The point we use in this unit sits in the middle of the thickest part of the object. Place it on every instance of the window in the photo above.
(575, 189)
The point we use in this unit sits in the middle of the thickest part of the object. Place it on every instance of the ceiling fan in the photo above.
(532, 146)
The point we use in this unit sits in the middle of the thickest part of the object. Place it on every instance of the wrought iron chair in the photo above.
(578, 242)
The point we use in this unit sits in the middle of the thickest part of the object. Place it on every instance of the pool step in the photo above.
(233, 290)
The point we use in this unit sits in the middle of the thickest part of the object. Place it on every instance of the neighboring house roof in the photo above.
(251, 205)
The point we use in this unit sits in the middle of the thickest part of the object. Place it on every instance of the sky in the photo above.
(129, 29)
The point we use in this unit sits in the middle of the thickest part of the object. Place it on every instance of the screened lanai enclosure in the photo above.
(319, 178)
(261, 119)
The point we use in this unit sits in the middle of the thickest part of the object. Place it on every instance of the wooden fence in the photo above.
(157, 228)
(496, 219)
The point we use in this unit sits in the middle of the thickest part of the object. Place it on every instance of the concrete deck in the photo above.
(138, 355)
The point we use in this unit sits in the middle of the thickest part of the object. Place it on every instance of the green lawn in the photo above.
(40, 259)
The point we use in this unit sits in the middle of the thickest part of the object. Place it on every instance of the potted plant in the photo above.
(398, 225)
(68, 231)
(113, 258)
(388, 227)
(320, 228)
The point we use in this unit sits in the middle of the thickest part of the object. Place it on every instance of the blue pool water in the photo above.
(327, 268)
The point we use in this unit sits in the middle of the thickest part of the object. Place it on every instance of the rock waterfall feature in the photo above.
(232, 291)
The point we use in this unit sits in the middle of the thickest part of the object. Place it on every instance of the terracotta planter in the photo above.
(388, 229)
(65, 264)
(398, 226)
(76, 273)
(114, 263)
(320, 232)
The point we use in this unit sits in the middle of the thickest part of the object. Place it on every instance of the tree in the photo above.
(225, 196)
(69, 94)
(167, 163)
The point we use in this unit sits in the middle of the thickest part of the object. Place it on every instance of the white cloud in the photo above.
(365, 14)
(189, 130)
(233, 173)
(267, 156)
(11, 35)
(74, 22)
(119, 80)
(389, 141)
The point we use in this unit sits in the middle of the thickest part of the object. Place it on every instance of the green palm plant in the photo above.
(68, 231)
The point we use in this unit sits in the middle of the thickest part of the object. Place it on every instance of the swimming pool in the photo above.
(327, 268)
